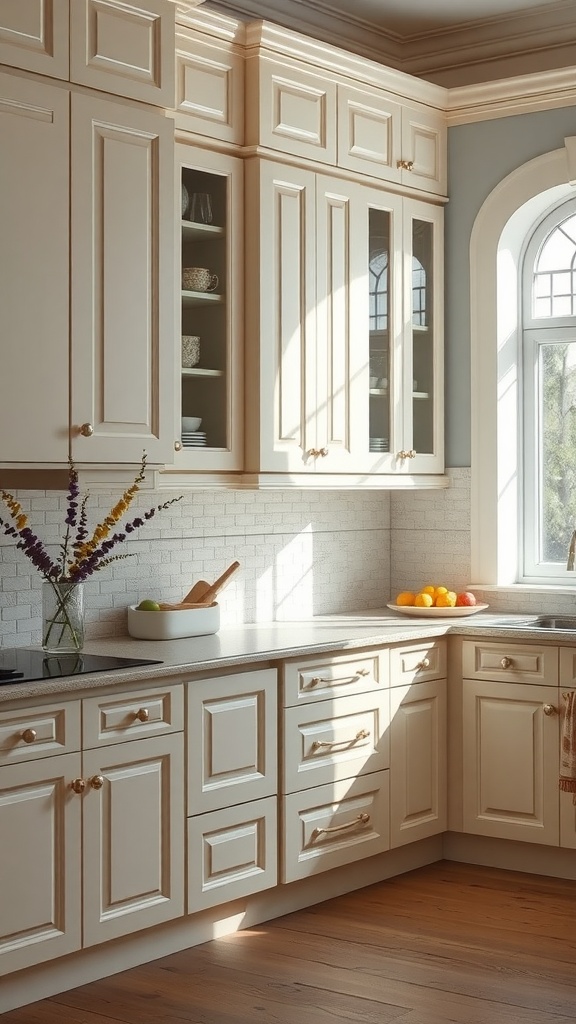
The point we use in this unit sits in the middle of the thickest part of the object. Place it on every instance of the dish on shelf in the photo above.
(191, 423)
(438, 613)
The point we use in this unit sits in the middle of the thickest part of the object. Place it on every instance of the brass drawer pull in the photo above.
(425, 663)
(29, 735)
(142, 715)
(506, 662)
(549, 709)
(362, 819)
(405, 165)
(363, 672)
(362, 735)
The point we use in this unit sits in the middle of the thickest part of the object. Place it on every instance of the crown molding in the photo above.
(506, 97)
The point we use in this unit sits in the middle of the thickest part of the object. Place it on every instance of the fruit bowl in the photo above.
(440, 613)
(174, 624)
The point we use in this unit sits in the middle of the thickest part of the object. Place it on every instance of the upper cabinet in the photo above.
(117, 47)
(87, 283)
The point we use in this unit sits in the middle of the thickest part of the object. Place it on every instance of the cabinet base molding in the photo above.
(30, 985)
(509, 855)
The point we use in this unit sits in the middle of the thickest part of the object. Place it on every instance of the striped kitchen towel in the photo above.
(568, 749)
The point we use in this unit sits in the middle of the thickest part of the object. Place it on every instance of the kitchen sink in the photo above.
(560, 622)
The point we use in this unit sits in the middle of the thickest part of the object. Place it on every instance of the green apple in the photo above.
(148, 606)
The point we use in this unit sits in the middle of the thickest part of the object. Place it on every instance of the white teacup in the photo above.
(199, 279)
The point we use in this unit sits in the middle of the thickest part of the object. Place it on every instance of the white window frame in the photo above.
(496, 247)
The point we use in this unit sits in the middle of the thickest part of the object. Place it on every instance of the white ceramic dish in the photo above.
(443, 613)
(173, 625)
(191, 423)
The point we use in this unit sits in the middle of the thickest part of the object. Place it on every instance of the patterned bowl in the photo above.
(190, 350)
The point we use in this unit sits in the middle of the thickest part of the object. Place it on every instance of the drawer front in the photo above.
(418, 662)
(568, 667)
(232, 853)
(334, 825)
(130, 716)
(335, 739)
(510, 662)
(320, 678)
(39, 732)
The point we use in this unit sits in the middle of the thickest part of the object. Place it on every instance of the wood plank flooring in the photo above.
(446, 944)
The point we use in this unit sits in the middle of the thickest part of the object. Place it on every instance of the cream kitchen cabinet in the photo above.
(232, 787)
(115, 47)
(343, 330)
(87, 278)
(418, 742)
(92, 840)
(335, 761)
(511, 741)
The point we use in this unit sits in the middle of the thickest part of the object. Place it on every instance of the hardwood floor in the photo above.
(446, 944)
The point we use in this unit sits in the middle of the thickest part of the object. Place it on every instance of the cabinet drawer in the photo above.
(39, 732)
(231, 853)
(417, 662)
(333, 825)
(335, 739)
(290, 110)
(132, 715)
(321, 677)
(510, 662)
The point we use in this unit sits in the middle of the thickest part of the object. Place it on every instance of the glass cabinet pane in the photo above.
(423, 347)
(380, 312)
(205, 350)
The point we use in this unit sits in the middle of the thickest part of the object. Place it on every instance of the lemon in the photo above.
(148, 606)
(406, 597)
(429, 589)
(423, 600)
(447, 600)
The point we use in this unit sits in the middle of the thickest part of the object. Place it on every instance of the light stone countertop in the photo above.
(269, 642)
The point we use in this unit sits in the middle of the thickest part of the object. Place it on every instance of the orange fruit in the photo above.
(424, 600)
(406, 597)
(429, 589)
(447, 600)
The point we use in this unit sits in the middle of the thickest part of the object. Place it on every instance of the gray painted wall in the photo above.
(479, 156)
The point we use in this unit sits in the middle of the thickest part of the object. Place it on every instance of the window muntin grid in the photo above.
(554, 277)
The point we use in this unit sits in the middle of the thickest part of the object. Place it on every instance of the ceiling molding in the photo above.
(506, 97)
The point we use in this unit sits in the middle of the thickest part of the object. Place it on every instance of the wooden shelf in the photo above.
(201, 298)
(195, 371)
(192, 231)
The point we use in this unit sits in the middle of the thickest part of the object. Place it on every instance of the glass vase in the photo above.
(62, 617)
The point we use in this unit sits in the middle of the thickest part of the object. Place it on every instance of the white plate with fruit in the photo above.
(437, 602)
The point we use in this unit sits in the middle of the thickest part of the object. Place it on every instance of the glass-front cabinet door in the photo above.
(209, 429)
(423, 428)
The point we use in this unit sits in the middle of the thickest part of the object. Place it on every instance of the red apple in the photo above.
(465, 599)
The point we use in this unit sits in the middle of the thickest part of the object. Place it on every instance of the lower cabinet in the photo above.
(232, 785)
(92, 842)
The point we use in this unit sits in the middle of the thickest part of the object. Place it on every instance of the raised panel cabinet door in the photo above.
(209, 89)
(232, 853)
(40, 825)
(34, 36)
(369, 132)
(34, 275)
(281, 318)
(123, 245)
(418, 757)
(124, 48)
(133, 836)
(232, 745)
(424, 155)
(511, 761)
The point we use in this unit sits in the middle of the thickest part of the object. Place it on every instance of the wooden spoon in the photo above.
(178, 607)
(209, 594)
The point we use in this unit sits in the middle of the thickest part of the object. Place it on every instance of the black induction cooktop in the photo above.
(21, 665)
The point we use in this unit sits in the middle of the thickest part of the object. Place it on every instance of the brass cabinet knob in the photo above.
(406, 455)
(177, 446)
(86, 430)
(549, 709)
(425, 663)
(96, 782)
(78, 785)
(29, 735)
(323, 452)
(405, 165)
(142, 715)
(506, 662)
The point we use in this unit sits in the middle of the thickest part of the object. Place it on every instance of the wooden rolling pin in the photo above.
(204, 593)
